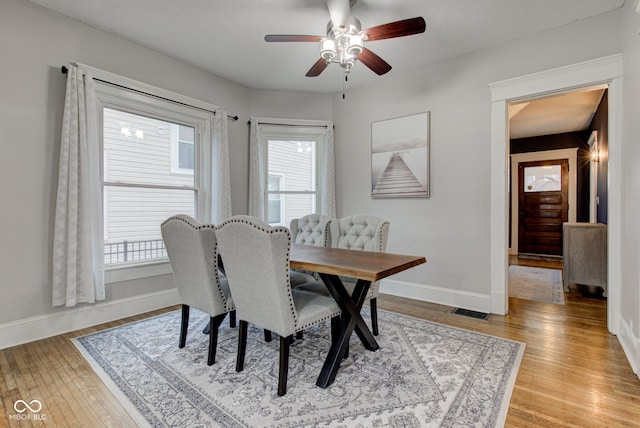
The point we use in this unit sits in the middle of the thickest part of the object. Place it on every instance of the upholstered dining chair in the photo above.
(256, 259)
(358, 232)
(311, 229)
(192, 250)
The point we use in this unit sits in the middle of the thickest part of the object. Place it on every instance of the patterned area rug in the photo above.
(532, 283)
(424, 375)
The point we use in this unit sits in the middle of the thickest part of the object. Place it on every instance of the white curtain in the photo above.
(328, 176)
(78, 264)
(220, 176)
(258, 165)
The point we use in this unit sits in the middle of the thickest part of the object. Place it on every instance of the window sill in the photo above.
(138, 271)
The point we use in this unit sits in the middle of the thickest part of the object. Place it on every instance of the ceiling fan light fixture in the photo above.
(327, 49)
(355, 45)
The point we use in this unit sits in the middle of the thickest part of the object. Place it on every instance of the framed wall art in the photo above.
(400, 157)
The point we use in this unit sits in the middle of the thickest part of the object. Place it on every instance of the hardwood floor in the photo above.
(573, 372)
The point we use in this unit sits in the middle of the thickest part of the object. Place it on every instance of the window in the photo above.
(153, 166)
(292, 165)
(542, 178)
(291, 170)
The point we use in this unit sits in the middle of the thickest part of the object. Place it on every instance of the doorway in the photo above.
(606, 70)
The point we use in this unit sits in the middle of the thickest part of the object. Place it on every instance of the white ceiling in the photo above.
(226, 37)
(568, 112)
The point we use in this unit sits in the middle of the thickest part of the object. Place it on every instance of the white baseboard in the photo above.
(43, 326)
(630, 345)
(443, 296)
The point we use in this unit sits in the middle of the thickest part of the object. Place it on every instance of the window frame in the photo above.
(172, 108)
(301, 131)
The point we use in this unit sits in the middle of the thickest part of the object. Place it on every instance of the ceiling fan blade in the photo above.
(374, 62)
(339, 11)
(317, 68)
(291, 38)
(406, 27)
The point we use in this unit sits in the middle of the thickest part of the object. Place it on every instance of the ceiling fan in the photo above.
(344, 42)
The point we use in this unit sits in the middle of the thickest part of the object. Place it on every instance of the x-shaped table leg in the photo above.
(351, 320)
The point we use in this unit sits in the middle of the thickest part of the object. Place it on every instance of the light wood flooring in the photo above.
(573, 373)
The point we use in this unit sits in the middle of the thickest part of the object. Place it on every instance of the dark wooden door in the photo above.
(543, 206)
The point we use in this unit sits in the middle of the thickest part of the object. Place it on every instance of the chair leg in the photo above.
(299, 335)
(284, 365)
(184, 325)
(242, 345)
(267, 335)
(214, 322)
(373, 305)
(232, 319)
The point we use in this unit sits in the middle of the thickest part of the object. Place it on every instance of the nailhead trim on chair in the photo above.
(190, 221)
(271, 229)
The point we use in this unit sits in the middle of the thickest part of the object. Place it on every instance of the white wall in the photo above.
(291, 105)
(451, 228)
(630, 293)
(35, 43)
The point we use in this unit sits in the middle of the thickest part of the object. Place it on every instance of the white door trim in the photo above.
(607, 70)
(571, 155)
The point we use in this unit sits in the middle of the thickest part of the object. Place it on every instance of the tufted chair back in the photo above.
(312, 229)
(192, 250)
(360, 232)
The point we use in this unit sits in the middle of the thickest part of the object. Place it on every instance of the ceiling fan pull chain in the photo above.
(346, 78)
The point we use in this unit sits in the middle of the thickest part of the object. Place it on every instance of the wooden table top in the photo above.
(365, 265)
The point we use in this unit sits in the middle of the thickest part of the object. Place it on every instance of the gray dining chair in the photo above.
(311, 229)
(192, 250)
(256, 259)
(358, 232)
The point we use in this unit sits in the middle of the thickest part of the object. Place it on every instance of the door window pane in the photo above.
(546, 178)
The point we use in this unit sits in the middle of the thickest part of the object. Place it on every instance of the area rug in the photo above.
(532, 283)
(424, 375)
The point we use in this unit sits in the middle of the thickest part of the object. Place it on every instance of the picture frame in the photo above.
(400, 157)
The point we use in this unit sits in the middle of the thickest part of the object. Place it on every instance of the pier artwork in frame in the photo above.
(400, 157)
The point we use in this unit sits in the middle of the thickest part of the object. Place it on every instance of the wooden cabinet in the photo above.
(584, 252)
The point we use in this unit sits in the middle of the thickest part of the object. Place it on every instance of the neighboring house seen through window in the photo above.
(275, 209)
(183, 149)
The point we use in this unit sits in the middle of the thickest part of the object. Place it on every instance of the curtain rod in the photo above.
(64, 70)
(290, 124)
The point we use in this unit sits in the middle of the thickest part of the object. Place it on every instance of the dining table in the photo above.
(366, 267)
